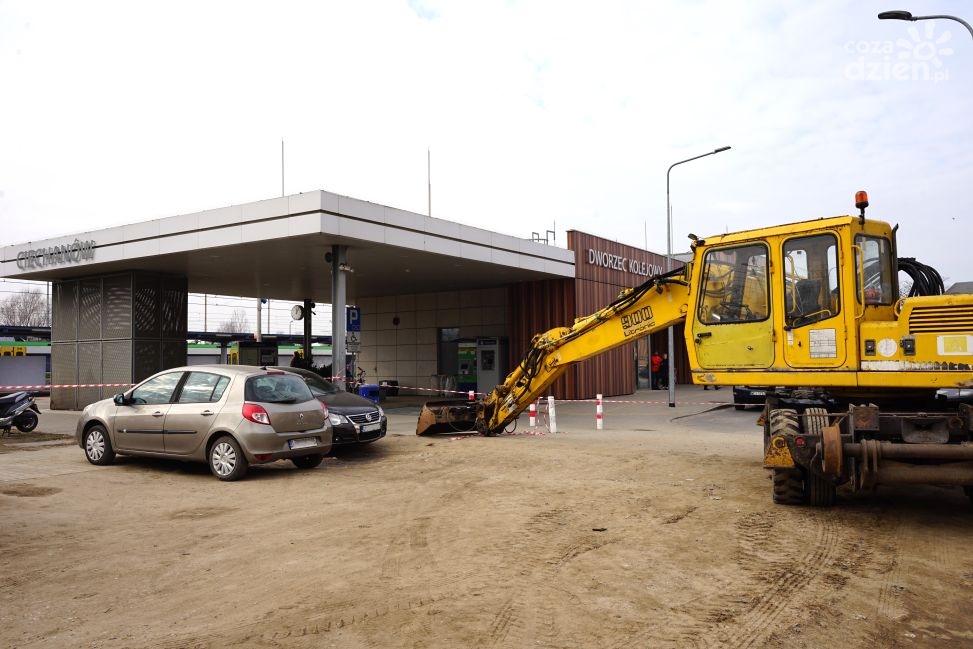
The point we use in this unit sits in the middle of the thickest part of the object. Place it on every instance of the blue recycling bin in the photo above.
(370, 391)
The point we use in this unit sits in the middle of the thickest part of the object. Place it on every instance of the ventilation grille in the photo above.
(174, 298)
(173, 354)
(89, 371)
(146, 359)
(90, 324)
(117, 307)
(64, 370)
(65, 311)
(942, 319)
(145, 308)
(116, 362)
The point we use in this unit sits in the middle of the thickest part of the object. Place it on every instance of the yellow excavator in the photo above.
(815, 306)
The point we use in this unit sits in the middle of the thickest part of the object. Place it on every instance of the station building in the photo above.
(442, 304)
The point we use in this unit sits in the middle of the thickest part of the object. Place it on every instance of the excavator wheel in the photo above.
(820, 491)
(788, 487)
(788, 483)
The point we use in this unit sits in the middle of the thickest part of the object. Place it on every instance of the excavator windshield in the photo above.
(734, 285)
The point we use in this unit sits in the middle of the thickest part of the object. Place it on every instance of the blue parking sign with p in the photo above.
(353, 317)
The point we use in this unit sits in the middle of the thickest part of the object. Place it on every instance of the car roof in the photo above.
(224, 369)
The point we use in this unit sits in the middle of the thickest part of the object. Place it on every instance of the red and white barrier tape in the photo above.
(66, 385)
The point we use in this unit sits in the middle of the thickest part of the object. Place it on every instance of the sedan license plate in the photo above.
(758, 393)
(303, 442)
(367, 428)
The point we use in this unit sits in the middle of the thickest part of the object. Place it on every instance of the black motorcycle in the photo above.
(18, 409)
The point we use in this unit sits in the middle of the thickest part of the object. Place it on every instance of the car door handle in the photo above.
(157, 413)
(207, 413)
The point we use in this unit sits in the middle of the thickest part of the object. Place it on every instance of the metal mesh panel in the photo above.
(89, 326)
(116, 363)
(174, 304)
(145, 308)
(173, 354)
(89, 371)
(146, 358)
(117, 306)
(64, 370)
(65, 311)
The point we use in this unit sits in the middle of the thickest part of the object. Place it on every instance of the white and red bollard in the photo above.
(471, 395)
(599, 414)
(551, 416)
(533, 414)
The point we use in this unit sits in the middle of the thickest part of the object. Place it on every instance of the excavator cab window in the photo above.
(811, 289)
(873, 257)
(734, 285)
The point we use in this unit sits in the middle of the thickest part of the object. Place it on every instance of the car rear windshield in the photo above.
(276, 388)
(317, 384)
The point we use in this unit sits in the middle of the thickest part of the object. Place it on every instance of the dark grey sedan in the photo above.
(354, 419)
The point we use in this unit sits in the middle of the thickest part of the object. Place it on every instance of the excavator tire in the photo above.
(815, 419)
(788, 483)
(788, 487)
(820, 491)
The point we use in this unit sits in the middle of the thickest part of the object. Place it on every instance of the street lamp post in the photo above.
(905, 15)
(672, 360)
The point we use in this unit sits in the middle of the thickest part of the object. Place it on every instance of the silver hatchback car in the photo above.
(230, 416)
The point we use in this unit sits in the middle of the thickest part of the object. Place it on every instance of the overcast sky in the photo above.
(536, 113)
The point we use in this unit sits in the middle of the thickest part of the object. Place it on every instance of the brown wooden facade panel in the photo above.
(536, 307)
(613, 372)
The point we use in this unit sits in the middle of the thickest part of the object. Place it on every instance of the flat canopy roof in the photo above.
(276, 249)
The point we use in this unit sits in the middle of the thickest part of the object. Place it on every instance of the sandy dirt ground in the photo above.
(652, 533)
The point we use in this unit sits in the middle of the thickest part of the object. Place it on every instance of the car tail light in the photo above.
(256, 413)
(324, 407)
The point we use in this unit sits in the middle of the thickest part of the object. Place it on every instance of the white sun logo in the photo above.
(925, 48)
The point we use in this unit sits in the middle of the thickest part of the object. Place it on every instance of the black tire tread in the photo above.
(788, 484)
(32, 416)
(788, 487)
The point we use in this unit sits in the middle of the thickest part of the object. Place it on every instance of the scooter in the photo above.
(18, 409)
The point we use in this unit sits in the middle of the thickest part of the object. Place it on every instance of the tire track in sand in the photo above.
(529, 616)
(776, 567)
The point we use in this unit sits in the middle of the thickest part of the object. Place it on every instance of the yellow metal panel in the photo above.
(778, 456)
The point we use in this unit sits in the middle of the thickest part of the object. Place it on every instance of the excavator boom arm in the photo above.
(660, 302)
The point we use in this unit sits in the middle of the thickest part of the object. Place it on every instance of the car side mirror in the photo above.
(120, 400)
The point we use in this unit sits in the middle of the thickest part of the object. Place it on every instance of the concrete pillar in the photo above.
(339, 261)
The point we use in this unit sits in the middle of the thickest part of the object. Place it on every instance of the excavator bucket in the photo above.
(447, 416)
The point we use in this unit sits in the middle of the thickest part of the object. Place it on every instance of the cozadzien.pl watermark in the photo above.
(920, 57)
